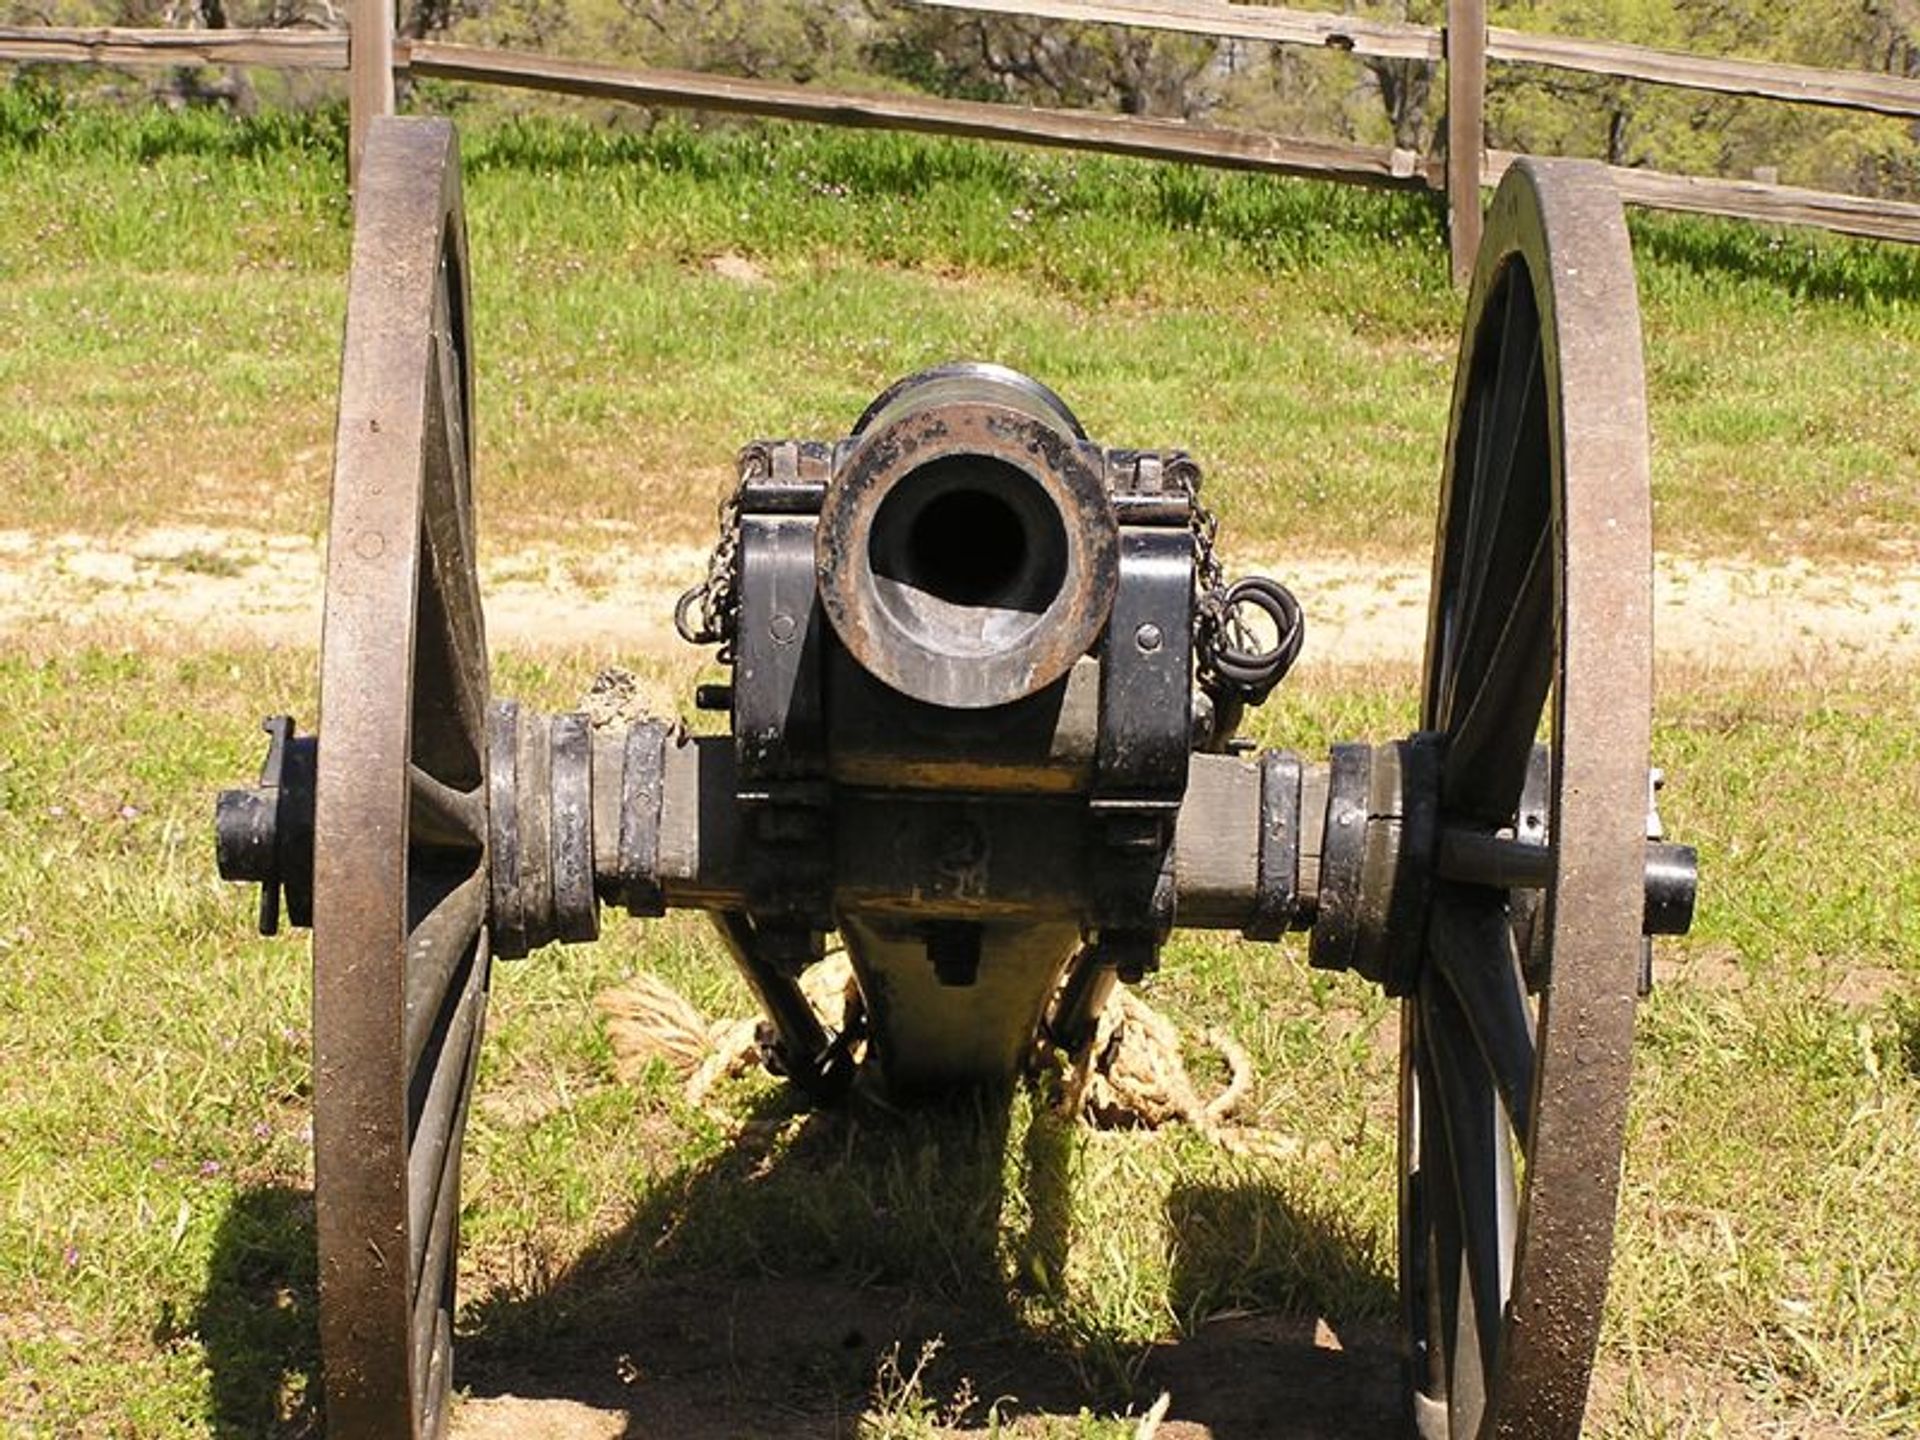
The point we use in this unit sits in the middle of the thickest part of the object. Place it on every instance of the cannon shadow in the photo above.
(824, 1265)
(821, 1264)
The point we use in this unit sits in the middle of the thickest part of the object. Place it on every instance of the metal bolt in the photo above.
(782, 628)
(1200, 719)
(1147, 637)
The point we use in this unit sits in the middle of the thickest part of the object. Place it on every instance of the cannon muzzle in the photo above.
(968, 551)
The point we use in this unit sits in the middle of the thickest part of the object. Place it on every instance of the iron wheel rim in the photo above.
(401, 954)
(1512, 1110)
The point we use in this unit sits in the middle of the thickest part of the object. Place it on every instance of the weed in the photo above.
(903, 1410)
(201, 561)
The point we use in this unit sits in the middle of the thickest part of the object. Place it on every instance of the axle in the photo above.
(627, 816)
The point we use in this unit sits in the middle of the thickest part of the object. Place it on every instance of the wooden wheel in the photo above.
(400, 945)
(1515, 1042)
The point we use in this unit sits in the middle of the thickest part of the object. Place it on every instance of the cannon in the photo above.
(986, 675)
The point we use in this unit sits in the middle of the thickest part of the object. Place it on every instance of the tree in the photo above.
(1405, 86)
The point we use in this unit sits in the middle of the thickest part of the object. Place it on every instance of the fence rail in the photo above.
(100, 45)
(1066, 129)
(1753, 200)
(1764, 79)
(372, 55)
(1404, 40)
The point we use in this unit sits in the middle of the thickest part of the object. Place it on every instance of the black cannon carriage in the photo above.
(986, 675)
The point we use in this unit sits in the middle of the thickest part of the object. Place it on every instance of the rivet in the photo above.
(782, 628)
(1147, 637)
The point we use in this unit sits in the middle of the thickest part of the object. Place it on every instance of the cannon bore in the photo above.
(967, 550)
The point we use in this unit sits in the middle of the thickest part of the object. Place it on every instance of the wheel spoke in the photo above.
(1504, 518)
(1471, 449)
(1467, 1365)
(451, 365)
(429, 1252)
(1470, 942)
(448, 702)
(441, 1092)
(451, 637)
(1440, 1249)
(1489, 396)
(1480, 1159)
(1501, 429)
(431, 1246)
(442, 943)
(433, 1358)
(448, 438)
(440, 815)
(1490, 738)
(1518, 406)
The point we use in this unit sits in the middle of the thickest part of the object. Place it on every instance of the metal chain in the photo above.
(1229, 657)
(717, 597)
(1211, 614)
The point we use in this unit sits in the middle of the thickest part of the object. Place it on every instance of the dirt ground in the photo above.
(773, 1358)
(614, 593)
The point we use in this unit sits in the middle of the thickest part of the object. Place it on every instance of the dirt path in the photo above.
(236, 586)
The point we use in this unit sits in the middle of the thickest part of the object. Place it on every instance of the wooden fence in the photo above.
(371, 55)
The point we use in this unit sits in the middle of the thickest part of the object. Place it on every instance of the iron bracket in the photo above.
(1145, 731)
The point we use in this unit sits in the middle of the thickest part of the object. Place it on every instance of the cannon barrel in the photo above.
(967, 548)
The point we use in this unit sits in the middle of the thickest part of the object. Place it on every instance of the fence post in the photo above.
(369, 73)
(1466, 48)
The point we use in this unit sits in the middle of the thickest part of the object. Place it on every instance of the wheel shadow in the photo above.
(1287, 1314)
(822, 1266)
(257, 1320)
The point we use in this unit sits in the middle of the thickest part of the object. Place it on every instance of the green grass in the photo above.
(172, 286)
(155, 1262)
